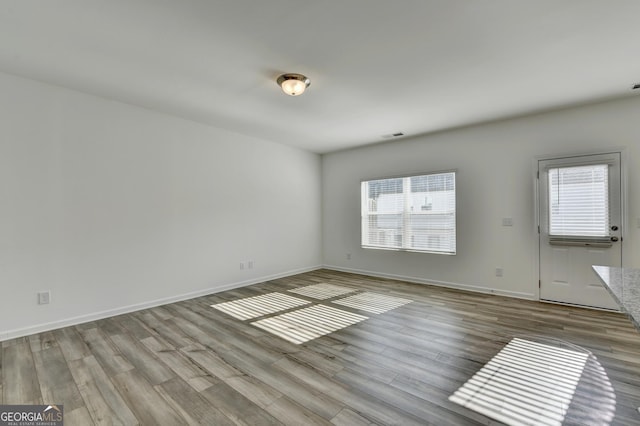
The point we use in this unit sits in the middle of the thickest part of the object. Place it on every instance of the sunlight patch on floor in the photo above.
(253, 307)
(372, 302)
(322, 291)
(526, 383)
(309, 323)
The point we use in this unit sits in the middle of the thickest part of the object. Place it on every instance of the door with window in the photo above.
(580, 225)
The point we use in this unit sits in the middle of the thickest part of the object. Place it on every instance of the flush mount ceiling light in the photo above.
(293, 84)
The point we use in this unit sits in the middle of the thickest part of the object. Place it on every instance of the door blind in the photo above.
(579, 201)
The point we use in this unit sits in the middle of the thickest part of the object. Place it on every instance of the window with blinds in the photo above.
(579, 201)
(415, 213)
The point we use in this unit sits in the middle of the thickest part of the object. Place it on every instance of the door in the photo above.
(580, 225)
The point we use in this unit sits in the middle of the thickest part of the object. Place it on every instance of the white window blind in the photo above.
(416, 213)
(579, 201)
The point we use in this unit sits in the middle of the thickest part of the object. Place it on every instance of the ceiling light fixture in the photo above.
(293, 84)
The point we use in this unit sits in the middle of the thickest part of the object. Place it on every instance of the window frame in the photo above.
(404, 230)
(568, 192)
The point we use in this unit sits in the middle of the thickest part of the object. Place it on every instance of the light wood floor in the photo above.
(187, 363)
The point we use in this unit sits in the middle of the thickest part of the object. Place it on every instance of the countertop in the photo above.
(624, 285)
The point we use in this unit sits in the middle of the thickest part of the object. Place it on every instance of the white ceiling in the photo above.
(376, 66)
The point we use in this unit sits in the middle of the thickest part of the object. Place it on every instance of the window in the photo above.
(579, 201)
(416, 213)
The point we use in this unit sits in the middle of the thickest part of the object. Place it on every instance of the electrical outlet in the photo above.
(499, 272)
(250, 264)
(242, 265)
(507, 221)
(348, 256)
(44, 298)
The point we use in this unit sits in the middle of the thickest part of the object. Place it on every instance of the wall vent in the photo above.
(393, 135)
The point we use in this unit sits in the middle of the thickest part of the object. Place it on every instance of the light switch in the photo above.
(44, 298)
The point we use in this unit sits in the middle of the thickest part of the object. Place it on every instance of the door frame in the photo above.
(536, 202)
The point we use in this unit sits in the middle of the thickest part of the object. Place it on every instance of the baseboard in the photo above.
(418, 280)
(26, 331)
(573, 305)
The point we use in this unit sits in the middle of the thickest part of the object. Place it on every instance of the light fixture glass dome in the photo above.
(293, 84)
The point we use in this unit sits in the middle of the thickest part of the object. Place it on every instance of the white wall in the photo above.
(113, 207)
(494, 181)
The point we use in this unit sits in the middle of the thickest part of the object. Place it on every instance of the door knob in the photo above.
(614, 239)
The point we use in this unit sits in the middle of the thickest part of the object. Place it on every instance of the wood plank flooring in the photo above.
(187, 363)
